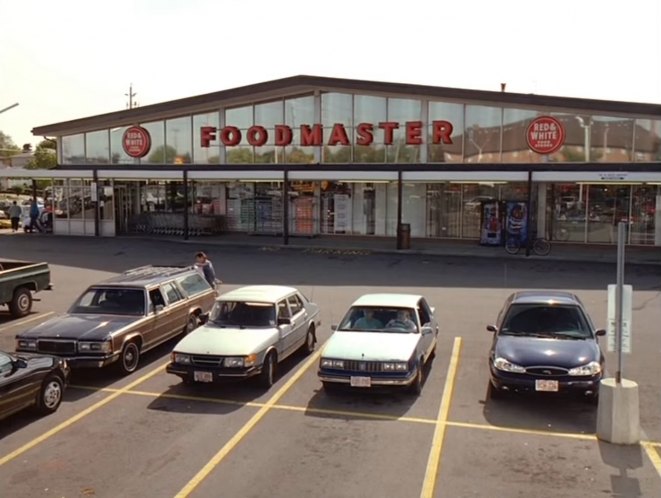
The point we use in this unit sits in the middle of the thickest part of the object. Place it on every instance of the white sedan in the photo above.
(248, 332)
(383, 340)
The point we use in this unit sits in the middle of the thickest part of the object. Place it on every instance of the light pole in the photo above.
(7, 108)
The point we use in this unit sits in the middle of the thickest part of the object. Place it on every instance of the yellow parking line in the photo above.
(653, 455)
(78, 416)
(433, 463)
(236, 439)
(25, 320)
(531, 432)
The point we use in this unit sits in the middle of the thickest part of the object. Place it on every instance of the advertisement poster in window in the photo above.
(516, 224)
(491, 226)
(342, 207)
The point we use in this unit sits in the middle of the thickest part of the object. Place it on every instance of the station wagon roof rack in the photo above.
(148, 273)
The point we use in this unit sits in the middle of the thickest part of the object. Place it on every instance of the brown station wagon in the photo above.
(117, 320)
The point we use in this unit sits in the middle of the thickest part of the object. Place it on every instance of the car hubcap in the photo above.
(52, 394)
(130, 357)
(23, 302)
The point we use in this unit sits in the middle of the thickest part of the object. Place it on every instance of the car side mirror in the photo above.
(600, 332)
(20, 363)
(433, 309)
(492, 328)
(284, 321)
(203, 318)
(334, 327)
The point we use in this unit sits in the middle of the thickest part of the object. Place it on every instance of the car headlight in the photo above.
(26, 344)
(508, 366)
(182, 359)
(330, 363)
(94, 347)
(395, 366)
(592, 368)
(233, 362)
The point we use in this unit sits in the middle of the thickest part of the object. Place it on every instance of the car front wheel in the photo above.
(416, 386)
(310, 340)
(21, 303)
(268, 371)
(128, 361)
(50, 395)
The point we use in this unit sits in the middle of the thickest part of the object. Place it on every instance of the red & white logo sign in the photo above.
(545, 135)
(136, 141)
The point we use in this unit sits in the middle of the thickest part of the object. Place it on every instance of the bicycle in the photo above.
(539, 246)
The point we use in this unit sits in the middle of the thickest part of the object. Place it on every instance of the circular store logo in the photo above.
(136, 141)
(545, 135)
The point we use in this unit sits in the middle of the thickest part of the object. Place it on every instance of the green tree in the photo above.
(7, 146)
(44, 157)
(163, 154)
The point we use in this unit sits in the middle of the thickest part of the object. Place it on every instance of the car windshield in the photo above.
(379, 319)
(111, 301)
(243, 314)
(543, 320)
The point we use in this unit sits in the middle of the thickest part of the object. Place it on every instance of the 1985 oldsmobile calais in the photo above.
(383, 340)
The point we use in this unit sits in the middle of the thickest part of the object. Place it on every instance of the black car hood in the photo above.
(534, 351)
(37, 361)
(75, 326)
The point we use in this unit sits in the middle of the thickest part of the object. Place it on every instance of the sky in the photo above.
(74, 59)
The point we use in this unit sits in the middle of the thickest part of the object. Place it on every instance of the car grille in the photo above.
(207, 361)
(547, 371)
(57, 347)
(362, 366)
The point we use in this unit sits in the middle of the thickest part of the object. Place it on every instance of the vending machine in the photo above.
(516, 221)
(491, 226)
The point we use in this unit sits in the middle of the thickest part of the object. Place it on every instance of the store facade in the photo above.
(308, 156)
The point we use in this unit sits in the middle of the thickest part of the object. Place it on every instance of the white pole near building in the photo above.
(618, 414)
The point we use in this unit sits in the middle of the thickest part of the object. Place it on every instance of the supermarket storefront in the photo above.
(317, 156)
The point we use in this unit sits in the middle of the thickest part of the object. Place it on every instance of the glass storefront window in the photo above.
(205, 155)
(158, 153)
(336, 108)
(607, 206)
(454, 114)
(73, 149)
(106, 200)
(611, 139)
(178, 141)
(472, 197)
(97, 147)
(303, 207)
(577, 137)
(268, 115)
(515, 145)
(444, 209)
(644, 202)
(372, 110)
(566, 207)
(483, 134)
(402, 111)
(299, 111)
(242, 118)
(117, 153)
(647, 140)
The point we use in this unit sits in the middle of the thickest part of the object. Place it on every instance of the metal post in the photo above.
(285, 207)
(399, 209)
(97, 217)
(185, 204)
(618, 299)
(529, 202)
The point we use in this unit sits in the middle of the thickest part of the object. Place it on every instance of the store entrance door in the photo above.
(121, 209)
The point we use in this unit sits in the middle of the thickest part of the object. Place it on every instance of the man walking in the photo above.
(205, 267)
(14, 215)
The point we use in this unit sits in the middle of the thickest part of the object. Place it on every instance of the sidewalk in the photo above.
(387, 245)
(437, 247)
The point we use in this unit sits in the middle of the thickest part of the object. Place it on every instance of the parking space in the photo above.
(149, 434)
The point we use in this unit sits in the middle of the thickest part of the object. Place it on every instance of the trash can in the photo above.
(404, 236)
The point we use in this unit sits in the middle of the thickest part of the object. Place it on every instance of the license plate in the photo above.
(361, 382)
(202, 376)
(546, 385)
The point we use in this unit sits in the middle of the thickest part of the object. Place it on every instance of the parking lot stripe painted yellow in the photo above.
(25, 320)
(434, 461)
(653, 455)
(530, 432)
(78, 416)
(236, 439)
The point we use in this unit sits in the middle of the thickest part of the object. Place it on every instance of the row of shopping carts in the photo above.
(173, 224)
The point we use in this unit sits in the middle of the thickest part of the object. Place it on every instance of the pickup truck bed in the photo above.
(18, 281)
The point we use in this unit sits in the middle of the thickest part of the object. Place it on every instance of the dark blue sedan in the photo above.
(544, 341)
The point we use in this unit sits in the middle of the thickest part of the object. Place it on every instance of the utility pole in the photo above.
(130, 95)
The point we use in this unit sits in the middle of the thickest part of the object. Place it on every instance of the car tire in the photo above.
(416, 387)
(191, 324)
(310, 341)
(267, 376)
(129, 358)
(21, 303)
(50, 395)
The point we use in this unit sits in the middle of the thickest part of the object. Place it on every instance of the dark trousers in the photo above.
(14, 224)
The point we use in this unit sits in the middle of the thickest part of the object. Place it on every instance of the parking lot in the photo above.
(150, 435)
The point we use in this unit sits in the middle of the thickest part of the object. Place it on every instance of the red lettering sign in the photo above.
(207, 135)
(441, 132)
(388, 127)
(257, 136)
(230, 135)
(365, 134)
(136, 141)
(413, 132)
(283, 135)
(311, 136)
(545, 135)
(338, 135)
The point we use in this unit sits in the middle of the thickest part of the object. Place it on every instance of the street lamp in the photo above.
(7, 108)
